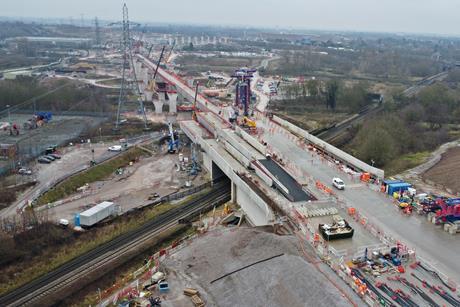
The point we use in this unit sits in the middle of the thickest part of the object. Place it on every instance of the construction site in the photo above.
(268, 213)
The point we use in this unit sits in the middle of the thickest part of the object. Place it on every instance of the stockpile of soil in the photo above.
(446, 172)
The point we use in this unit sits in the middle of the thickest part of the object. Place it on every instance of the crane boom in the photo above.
(170, 51)
(159, 61)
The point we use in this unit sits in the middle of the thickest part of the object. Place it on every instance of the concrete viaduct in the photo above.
(263, 188)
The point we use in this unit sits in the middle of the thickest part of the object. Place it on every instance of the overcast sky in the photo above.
(417, 16)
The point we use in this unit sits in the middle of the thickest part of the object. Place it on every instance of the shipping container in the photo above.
(97, 213)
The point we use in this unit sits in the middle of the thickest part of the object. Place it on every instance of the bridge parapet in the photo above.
(337, 153)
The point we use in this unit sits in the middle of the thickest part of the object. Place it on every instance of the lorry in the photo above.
(96, 214)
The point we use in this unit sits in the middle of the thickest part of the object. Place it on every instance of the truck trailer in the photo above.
(96, 214)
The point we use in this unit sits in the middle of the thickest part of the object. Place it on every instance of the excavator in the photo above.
(249, 123)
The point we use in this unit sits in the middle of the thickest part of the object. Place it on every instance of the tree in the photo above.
(332, 88)
(355, 97)
(454, 75)
(413, 114)
(312, 87)
(375, 143)
(438, 104)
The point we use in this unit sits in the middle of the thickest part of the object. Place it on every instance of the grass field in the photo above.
(96, 173)
(405, 162)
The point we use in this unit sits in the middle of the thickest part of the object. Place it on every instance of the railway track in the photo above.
(69, 274)
(329, 135)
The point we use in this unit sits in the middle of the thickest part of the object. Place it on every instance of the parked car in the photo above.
(24, 171)
(50, 157)
(154, 196)
(55, 156)
(338, 183)
(63, 222)
(115, 148)
(44, 160)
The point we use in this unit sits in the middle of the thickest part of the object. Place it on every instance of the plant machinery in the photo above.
(243, 89)
(450, 210)
(173, 143)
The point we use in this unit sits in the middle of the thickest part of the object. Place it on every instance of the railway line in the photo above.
(70, 274)
(331, 133)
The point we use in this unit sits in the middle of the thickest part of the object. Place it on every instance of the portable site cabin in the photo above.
(398, 187)
(386, 183)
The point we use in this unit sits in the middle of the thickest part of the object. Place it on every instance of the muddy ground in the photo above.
(446, 171)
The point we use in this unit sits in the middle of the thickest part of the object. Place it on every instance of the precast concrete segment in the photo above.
(229, 136)
(208, 125)
(237, 155)
(339, 154)
(251, 140)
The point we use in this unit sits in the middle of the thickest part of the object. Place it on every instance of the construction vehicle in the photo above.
(449, 210)
(243, 89)
(13, 129)
(195, 166)
(173, 143)
(249, 123)
(38, 120)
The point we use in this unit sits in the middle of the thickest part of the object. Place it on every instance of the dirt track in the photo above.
(446, 171)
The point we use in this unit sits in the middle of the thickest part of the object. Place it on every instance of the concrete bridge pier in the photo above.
(148, 95)
(233, 193)
(159, 103)
(142, 87)
(172, 103)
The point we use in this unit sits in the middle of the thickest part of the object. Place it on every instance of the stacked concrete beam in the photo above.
(206, 124)
(227, 135)
(237, 155)
(251, 140)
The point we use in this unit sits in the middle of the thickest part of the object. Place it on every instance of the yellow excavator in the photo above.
(247, 122)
